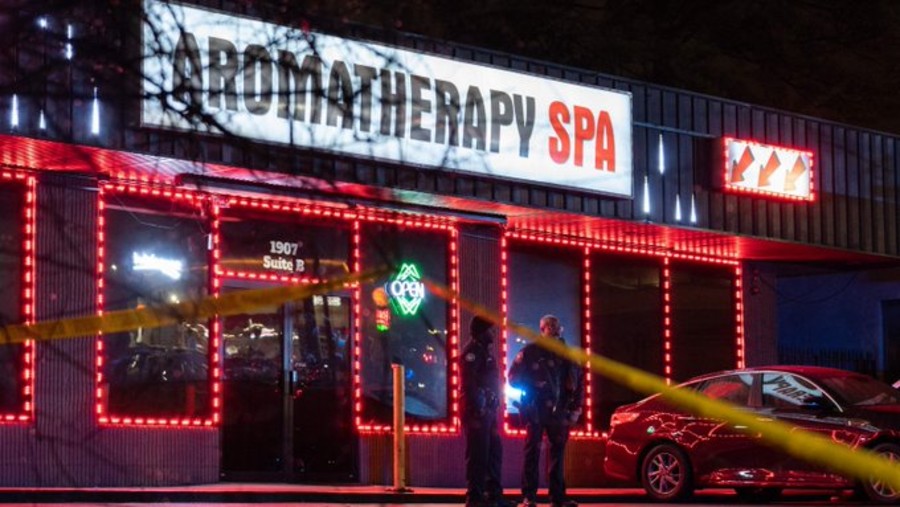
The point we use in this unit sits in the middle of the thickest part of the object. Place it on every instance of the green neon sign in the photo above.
(406, 289)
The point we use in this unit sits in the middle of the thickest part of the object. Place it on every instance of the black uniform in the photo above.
(480, 399)
(553, 393)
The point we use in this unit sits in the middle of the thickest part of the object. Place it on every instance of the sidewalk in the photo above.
(286, 493)
(233, 493)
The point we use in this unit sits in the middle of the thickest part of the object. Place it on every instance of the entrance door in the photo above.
(286, 379)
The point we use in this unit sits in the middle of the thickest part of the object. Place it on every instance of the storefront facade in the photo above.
(656, 223)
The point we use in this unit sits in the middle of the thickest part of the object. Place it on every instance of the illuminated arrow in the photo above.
(737, 173)
(771, 166)
(790, 181)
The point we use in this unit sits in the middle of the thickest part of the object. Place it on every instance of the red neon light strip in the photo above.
(215, 359)
(504, 332)
(29, 210)
(267, 277)
(739, 316)
(588, 373)
(667, 319)
(103, 417)
(357, 330)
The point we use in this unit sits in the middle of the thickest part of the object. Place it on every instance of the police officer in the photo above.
(552, 396)
(480, 399)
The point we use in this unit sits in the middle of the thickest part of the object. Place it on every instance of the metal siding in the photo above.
(826, 179)
(879, 229)
(853, 225)
(891, 169)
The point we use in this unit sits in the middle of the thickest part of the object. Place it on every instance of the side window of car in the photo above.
(781, 390)
(733, 389)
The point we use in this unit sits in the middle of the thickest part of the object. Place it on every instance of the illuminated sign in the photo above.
(406, 289)
(768, 170)
(150, 262)
(292, 86)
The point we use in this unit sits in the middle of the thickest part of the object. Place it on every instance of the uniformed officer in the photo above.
(480, 399)
(552, 396)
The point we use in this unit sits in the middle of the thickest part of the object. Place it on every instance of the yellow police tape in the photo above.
(859, 463)
(231, 303)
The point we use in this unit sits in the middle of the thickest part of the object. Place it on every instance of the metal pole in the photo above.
(399, 436)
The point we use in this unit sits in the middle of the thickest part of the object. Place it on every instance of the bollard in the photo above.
(399, 436)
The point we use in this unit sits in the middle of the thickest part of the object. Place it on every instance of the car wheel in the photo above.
(878, 491)
(666, 474)
(757, 495)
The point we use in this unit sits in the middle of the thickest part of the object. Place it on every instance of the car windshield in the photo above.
(861, 390)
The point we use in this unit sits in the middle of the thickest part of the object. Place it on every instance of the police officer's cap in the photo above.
(479, 326)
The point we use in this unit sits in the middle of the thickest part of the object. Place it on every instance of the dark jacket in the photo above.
(480, 381)
(552, 387)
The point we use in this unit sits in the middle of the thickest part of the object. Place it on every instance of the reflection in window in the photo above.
(542, 279)
(780, 390)
(252, 431)
(156, 253)
(404, 324)
(324, 443)
(733, 389)
(11, 265)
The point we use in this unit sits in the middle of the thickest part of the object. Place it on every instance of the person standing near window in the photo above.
(480, 399)
(552, 396)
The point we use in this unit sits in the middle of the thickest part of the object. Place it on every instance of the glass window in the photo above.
(12, 393)
(282, 245)
(861, 390)
(542, 279)
(732, 389)
(156, 253)
(782, 390)
(703, 319)
(626, 317)
(403, 323)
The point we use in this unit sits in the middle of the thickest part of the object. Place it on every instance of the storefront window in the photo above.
(542, 279)
(404, 323)
(286, 245)
(703, 319)
(12, 396)
(626, 317)
(156, 252)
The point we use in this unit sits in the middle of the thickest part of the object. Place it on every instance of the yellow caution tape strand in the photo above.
(859, 463)
(231, 303)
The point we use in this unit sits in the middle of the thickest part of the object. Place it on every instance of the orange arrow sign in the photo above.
(790, 181)
(740, 167)
(771, 166)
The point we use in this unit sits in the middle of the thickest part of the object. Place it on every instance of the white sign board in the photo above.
(286, 85)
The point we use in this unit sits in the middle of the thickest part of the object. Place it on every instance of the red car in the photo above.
(670, 452)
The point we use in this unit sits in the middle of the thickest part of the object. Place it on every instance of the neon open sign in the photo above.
(406, 289)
